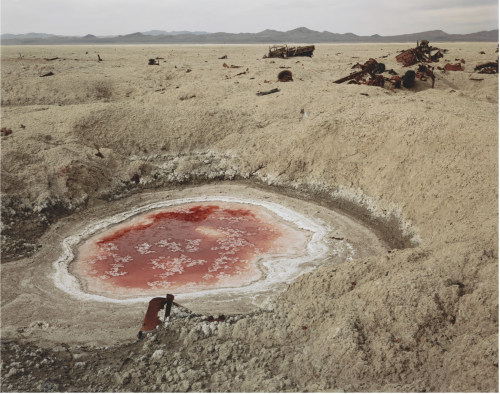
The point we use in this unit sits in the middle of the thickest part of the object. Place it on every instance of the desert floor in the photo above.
(415, 171)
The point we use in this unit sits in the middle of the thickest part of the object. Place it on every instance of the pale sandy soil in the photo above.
(416, 170)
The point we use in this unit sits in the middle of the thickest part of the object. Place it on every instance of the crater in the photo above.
(216, 248)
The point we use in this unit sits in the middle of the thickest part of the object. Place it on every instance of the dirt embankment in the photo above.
(420, 166)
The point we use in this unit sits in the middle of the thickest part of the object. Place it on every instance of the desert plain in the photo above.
(412, 172)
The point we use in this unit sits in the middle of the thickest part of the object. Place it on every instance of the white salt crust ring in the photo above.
(278, 270)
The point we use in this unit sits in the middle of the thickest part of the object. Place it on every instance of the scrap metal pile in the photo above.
(284, 52)
(422, 53)
(370, 69)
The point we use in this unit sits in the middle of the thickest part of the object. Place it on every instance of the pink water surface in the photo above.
(187, 248)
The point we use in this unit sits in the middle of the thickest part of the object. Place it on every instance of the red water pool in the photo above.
(186, 248)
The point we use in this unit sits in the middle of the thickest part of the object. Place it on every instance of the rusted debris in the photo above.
(379, 80)
(219, 318)
(378, 69)
(367, 68)
(6, 131)
(460, 60)
(244, 72)
(153, 62)
(54, 58)
(422, 53)
(232, 66)
(136, 178)
(99, 154)
(151, 320)
(49, 74)
(487, 68)
(476, 79)
(453, 67)
(268, 92)
(23, 126)
(409, 79)
(396, 82)
(371, 67)
(285, 76)
(188, 71)
(99, 58)
(482, 53)
(426, 71)
(284, 52)
(223, 57)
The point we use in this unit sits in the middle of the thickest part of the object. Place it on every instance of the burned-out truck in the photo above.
(284, 51)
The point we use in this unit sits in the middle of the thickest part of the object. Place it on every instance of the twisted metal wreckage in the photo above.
(284, 52)
(421, 54)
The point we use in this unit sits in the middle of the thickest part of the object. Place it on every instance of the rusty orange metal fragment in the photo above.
(151, 320)
(453, 67)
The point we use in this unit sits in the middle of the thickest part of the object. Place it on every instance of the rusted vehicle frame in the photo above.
(368, 68)
(422, 53)
(372, 67)
(284, 52)
(487, 68)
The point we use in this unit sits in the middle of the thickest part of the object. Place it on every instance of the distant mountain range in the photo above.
(300, 35)
(171, 33)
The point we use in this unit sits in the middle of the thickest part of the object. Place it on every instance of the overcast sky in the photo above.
(362, 17)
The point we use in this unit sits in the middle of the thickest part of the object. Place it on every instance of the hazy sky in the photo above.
(362, 17)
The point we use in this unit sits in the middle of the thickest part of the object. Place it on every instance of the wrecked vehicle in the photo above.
(422, 53)
(284, 52)
(487, 68)
(371, 67)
